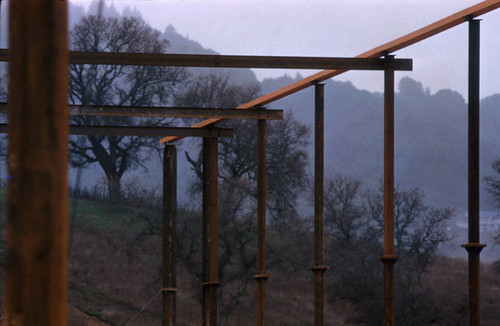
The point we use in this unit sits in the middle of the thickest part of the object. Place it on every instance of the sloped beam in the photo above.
(398, 44)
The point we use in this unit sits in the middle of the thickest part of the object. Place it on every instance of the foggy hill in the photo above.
(177, 43)
(430, 136)
(183, 45)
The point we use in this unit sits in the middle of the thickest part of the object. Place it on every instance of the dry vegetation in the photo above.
(112, 276)
(111, 281)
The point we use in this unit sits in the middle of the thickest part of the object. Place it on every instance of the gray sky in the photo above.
(333, 28)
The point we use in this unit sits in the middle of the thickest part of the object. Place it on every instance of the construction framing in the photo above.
(226, 61)
(177, 112)
(390, 47)
(38, 117)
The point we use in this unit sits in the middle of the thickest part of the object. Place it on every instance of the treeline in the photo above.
(430, 136)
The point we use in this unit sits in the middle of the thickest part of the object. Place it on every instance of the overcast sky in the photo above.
(333, 28)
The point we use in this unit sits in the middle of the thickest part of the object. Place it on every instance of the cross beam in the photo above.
(227, 61)
(177, 112)
(174, 112)
(145, 131)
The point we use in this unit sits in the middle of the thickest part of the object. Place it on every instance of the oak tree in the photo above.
(108, 84)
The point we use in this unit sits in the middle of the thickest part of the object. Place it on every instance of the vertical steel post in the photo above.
(319, 247)
(261, 276)
(37, 191)
(389, 258)
(169, 234)
(210, 231)
(474, 247)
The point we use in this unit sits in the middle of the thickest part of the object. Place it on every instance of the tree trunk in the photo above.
(114, 189)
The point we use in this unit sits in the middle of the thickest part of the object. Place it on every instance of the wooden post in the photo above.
(37, 191)
(169, 234)
(389, 258)
(319, 246)
(474, 247)
(261, 276)
(210, 280)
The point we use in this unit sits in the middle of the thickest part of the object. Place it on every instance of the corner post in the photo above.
(37, 191)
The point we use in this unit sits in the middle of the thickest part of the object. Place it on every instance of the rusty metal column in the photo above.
(319, 247)
(474, 247)
(169, 234)
(37, 191)
(261, 276)
(389, 258)
(210, 231)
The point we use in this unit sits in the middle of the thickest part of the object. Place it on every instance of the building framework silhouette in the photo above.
(37, 197)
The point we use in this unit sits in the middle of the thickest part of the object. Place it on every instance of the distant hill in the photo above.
(183, 45)
(430, 135)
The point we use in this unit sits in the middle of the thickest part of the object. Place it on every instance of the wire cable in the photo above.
(145, 306)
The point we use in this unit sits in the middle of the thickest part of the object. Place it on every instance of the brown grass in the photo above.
(109, 285)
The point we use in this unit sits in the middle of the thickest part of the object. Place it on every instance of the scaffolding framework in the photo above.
(49, 67)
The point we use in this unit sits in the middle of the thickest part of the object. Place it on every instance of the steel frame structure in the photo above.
(37, 263)
(390, 47)
(177, 112)
(225, 61)
(210, 173)
(210, 184)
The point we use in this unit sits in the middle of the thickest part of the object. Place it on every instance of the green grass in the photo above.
(88, 299)
(104, 215)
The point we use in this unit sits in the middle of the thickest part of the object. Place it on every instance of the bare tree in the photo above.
(493, 187)
(3, 117)
(215, 91)
(117, 85)
(343, 210)
(355, 221)
(493, 183)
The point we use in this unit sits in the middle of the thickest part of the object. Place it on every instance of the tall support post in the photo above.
(319, 267)
(389, 258)
(261, 276)
(169, 234)
(210, 231)
(37, 193)
(474, 247)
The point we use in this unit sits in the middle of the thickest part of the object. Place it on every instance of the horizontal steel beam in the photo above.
(174, 112)
(228, 61)
(145, 131)
(397, 44)
(177, 112)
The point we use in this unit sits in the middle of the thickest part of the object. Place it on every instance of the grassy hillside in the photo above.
(115, 268)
